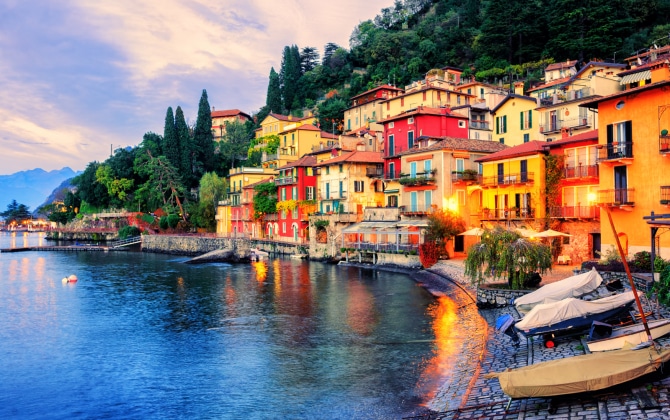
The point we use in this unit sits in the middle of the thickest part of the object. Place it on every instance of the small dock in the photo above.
(69, 248)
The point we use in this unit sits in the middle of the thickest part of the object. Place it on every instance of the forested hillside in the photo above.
(494, 40)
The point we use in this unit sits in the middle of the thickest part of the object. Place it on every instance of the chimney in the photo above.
(660, 71)
(213, 109)
(518, 88)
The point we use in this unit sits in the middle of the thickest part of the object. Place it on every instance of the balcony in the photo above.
(420, 178)
(581, 171)
(509, 179)
(571, 95)
(664, 144)
(286, 180)
(508, 214)
(616, 153)
(417, 209)
(665, 195)
(268, 158)
(395, 150)
(334, 195)
(479, 125)
(374, 172)
(620, 197)
(575, 212)
(271, 217)
(467, 176)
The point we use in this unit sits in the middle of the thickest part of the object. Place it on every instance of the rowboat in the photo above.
(588, 372)
(633, 335)
(570, 287)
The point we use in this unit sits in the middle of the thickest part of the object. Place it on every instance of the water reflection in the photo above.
(362, 315)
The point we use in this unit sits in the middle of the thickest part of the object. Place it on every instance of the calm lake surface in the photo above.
(146, 336)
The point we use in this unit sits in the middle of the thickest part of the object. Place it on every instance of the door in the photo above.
(620, 185)
(459, 243)
(595, 245)
(413, 201)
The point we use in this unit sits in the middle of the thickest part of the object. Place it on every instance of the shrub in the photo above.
(128, 232)
(163, 222)
(173, 220)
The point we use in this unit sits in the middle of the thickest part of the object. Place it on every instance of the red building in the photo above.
(401, 132)
(296, 199)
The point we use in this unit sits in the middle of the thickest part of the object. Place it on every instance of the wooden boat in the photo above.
(571, 287)
(617, 337)
(588, 372)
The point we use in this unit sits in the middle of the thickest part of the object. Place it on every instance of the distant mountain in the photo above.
(31, 187)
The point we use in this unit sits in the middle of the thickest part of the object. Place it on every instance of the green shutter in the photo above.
(530, 119)
(497, 125)
(521, 113)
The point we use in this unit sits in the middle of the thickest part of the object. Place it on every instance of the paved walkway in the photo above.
(468, 395)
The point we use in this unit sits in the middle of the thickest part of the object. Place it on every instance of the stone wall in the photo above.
(580, 244)
(191, 245)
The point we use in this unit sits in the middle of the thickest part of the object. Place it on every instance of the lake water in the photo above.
(146, 336)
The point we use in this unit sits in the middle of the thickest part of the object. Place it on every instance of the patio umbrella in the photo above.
(527, 233)
(473, 232)
(550, 233)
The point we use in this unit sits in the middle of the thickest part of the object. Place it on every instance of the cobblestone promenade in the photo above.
(468, 395)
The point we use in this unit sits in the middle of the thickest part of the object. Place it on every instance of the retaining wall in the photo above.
(191, 245)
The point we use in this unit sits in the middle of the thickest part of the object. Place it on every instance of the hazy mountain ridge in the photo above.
(32, 187)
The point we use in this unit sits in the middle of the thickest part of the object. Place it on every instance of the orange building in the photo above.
(633, 155)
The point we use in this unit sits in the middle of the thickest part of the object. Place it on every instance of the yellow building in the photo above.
(515, 120)
(634, 157)
(513, 185)
(296, 141)
(559, 99)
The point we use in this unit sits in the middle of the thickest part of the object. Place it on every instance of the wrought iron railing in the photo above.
(665, 194)
(580, 171)
(617, 197)
(575, 212)
(614, 151)
(509, 179)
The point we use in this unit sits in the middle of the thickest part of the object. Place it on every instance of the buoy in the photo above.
(72, 278)
(64, 280)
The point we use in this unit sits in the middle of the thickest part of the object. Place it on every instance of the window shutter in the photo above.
(610, 133)
(629, 131)
(521, 113)
(497, 125)
(530, 119)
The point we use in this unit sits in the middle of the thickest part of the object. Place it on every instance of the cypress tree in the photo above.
(290, 75)
(203, 138)
(273, 98)
(171, 148)
(186, 147)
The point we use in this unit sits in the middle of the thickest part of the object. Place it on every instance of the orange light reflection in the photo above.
(261, 269)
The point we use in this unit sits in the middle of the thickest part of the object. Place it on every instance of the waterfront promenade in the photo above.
(468, 395)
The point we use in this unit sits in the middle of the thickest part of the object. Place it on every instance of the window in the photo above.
(461, 124)
(358, 186)
(428, 198)
(620, 139)
(342, 189)
(391, 124)
(283, 227)
(410, 139)
(501, 140)
(391, 174)
(391, 145)
(427, 166)
(327, 170)
(461, 197)
(412, 170)
(341, 168)
(309, 193)
(526, 138)
(526, 120)
(295, 213)
(348, 124)
(460, 164)
(410, 120)
(501, 124)
(392, 201)
(294, 193)
(283, 194)
(327, 197)
(524, 170)
(481, 93)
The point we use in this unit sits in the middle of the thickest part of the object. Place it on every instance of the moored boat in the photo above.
(632, 335)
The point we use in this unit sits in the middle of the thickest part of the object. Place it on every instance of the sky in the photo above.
(79, 78)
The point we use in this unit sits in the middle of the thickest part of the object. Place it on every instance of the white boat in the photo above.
(258, 255)
(632, 334)
(571, 287)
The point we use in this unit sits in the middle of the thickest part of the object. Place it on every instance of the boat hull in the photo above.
(578, 324)
(632, 334)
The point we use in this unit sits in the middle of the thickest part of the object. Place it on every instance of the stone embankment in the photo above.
(467, 394)
(193, 245)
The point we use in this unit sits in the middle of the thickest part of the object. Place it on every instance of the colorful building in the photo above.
(633, 151)
(221, 118)
(296, 200)
(515, 120)
(366, 109)
(296, 141)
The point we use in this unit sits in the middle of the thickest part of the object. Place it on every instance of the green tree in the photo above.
(273, 99)
(187, 163)
(505, 254)
(443, 225)
(171, 147)
(203, 138)
(289, 77)
(15, 213)
(89, 189)
(116, 187)
(309, 59)
(163, 186)
(235, 144)
(265, 199)
(330, 114)
(212, 190)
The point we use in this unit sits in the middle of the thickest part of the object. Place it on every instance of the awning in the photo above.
(368, 227)
(636, 77)
(413, 223)
(396, 191)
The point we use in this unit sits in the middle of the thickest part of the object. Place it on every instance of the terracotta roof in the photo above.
(550, 84)
(382, 87)
(308, 127)
(422, 110)
(588, 135)
(327, 135)
(561, 65)
(229, 113)
(306, 160)
(263, 181)
(354, 157)
(454, 143)
(525, 149)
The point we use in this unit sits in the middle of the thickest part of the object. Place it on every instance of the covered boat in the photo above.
(573, 314)
(589, 372)
(631, 335)
(571, 287)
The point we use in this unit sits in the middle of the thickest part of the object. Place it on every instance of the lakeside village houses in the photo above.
(474, 149)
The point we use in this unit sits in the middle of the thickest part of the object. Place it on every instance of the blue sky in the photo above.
(78, 77)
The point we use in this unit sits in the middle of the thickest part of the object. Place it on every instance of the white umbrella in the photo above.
(550, 233)
(527, 233)
(473, 232)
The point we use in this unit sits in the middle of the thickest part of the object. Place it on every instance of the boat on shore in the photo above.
(613, 338)
(588, 372)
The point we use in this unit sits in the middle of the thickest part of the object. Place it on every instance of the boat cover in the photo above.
(574, 287)
(588, 372)
(546, 314)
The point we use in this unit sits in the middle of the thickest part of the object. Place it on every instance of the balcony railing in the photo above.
(617, 197)
(268, 158)
(559, 98)
(580, 171)
(286, 180)
(664, 144)
(420, 178)
(575, 212)
(382, 247)
(472, 177)
(615, 151)
(417, 209)
(271, 217)
(509, 179)
(374, 172)
(507, 214)
(479, 125)
(665, 194)
(334, 195)
(395, 150)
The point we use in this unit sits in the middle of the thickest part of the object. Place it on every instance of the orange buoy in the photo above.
(72, 278)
